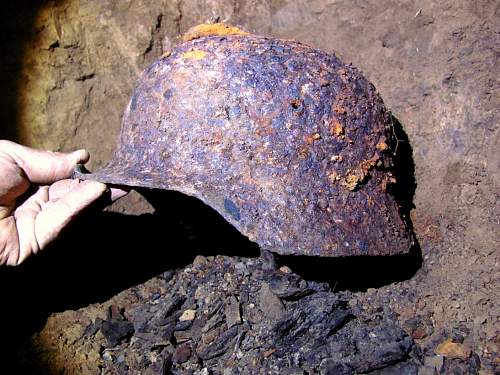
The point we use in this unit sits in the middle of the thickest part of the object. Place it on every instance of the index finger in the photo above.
(43, 167)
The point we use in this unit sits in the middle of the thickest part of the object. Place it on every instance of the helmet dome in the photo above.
(286, 142)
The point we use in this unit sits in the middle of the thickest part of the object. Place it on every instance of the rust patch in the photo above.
(336, 128)
(382, 145)
(208, 29)
(194, 54)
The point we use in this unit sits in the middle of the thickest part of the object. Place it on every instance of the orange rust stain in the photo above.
(389, 179)
(265, 126)
(194, 54)
(333, 177)
(382, 146)
(297, 106)
(303, 152)
(206, 29)
(336, 128)
(366, 165)
(354, 179)
(339, 109)
(343, 75)
(311, 138)
(351, 181)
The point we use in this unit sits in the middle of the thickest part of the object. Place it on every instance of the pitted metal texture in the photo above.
(287, 143)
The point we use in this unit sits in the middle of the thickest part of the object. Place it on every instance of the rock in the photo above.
(294, 371)
(451, 349)
(435, 362)
(232, 311)
(182, 336)
(287, 286)
(187, 315)
(474, 362)
(216, 318)
(285, 269)
(268, 260)
(116, 331)
(220, 345)
(107, 356)
(418, 327)
(183, 325)
(400, 368)
(181, 354)
(427, 371)
(330, 367)
(270, 304)
(317, 333)
(199, 261)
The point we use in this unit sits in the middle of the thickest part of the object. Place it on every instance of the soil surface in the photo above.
(94, 303)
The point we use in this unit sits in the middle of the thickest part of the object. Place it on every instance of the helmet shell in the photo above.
(287, 143)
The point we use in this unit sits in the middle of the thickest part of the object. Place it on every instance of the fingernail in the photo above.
(96, 185)
(81, 156)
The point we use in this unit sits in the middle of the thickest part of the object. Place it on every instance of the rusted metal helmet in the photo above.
(286, 142)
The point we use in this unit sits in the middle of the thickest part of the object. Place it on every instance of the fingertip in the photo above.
(80, 156)
(95, 186)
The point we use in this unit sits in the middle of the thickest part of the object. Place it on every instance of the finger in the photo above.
(62, 187)
(44, 167)
(25, 216)
(56, 215)
(13, 182)
(9, 242)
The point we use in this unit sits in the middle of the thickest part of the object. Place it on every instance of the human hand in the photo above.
(29, 227)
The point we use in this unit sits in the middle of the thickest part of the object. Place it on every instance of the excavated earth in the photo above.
(163, 285)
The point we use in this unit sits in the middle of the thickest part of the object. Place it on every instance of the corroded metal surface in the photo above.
(286, 142)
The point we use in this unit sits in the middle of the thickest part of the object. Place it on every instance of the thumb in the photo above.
(44, 167)
(57, 214)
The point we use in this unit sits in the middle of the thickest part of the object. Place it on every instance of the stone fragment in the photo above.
(436, 362)
(116, 331)
(330, 367)
(270, 304)
(232, 311)
(187, 315)
(182, 354)
(425, 370)
(287, 286)
(220, 345)
(451, 349)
